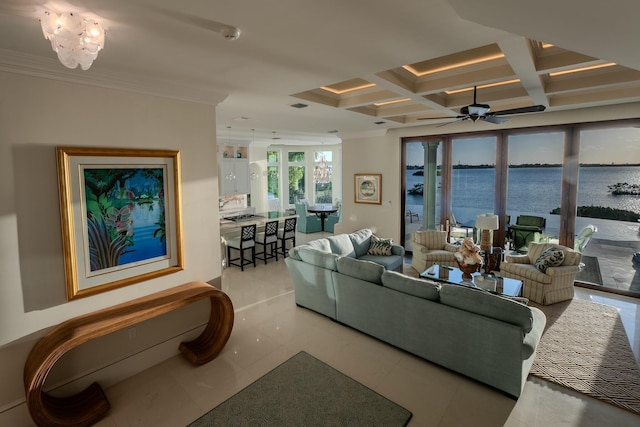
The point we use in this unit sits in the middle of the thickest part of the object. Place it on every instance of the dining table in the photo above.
(322, 212)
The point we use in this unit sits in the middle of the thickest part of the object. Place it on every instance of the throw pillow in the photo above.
(379, 246)
(551, 257)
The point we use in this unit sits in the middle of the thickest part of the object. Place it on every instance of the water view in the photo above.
(531, 190)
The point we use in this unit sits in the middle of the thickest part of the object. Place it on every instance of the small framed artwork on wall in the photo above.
(368, 188)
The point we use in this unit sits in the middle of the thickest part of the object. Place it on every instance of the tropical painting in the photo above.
(125, 215)
(121, 220)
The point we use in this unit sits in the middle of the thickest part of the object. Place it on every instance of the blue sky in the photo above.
(597, 146)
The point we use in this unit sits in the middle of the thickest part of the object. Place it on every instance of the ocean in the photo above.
(534, 191)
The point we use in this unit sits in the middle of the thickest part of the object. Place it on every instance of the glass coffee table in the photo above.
(493, 284)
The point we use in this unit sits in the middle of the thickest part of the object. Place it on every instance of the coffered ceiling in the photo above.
(512, 74)
(291, 73)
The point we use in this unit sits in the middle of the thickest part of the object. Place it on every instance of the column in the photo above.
(430, 184)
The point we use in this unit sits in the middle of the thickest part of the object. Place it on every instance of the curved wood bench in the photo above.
(90, 405)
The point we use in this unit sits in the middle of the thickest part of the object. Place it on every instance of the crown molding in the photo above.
(37, 66)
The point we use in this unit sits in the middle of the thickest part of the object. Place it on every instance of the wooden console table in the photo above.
(90, 405)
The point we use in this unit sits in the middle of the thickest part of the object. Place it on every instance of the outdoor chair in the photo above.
(527, 229)
(584, 237)
(245, 241)
(552, 285)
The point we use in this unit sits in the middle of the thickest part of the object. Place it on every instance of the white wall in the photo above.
(36, 115)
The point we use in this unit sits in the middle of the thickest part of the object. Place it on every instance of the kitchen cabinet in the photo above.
(234, 176)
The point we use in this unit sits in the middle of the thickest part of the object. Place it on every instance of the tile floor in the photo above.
(269, 329)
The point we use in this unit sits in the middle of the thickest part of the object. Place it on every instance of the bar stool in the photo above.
(268, 237)
(245, 241)
(288, 232)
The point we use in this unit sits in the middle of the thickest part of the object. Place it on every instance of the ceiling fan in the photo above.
(482, 112)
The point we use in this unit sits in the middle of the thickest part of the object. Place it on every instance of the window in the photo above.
(273, 179)
(472, 178)
(322, 176)
(296, 176)
(609, 199)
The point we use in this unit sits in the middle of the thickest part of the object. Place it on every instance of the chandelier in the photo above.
(322, 172)
(75, 39)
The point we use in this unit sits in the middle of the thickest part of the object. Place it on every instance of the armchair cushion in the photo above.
(317, 257)
(551, 257)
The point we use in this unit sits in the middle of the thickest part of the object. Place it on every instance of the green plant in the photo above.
(603, 212)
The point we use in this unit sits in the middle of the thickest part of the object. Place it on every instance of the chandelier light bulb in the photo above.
(75, 39)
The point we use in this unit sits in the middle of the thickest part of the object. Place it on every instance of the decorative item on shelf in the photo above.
(322, 171)
(75, 39)
(468, 259)
(239, 155)
(485, 223)
(225, 154)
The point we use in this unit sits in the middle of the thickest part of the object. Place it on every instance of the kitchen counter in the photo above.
(233, 224)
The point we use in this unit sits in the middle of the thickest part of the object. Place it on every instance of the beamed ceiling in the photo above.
(507, 75)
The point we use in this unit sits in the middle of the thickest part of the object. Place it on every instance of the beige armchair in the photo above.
(431, 247)
(555, 285)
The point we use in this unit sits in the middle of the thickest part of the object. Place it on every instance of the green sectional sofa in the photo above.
(486, 337)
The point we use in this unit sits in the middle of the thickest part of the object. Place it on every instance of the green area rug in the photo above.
(304, 391)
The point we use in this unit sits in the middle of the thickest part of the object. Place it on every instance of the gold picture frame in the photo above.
(120, 216)
(368, 188)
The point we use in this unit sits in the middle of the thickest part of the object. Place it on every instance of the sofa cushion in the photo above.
(318, 258)
(361, 240)
(365, 270)
(378, 246)
(487, 304)
(551, 257)
(320, 244)
(341, 245)
(420, 288)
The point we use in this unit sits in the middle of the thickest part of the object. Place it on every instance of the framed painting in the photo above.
(120, 213)
(368, 188)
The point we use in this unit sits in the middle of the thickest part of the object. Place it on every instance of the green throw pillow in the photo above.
(380, 246)
(549, 258)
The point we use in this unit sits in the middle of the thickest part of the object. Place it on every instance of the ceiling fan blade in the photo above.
(437, 118)
(532, 109)
(494, 119)
(458, 119)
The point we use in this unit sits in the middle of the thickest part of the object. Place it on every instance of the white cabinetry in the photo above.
(234, 177)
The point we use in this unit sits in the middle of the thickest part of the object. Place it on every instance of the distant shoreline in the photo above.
(533, 165)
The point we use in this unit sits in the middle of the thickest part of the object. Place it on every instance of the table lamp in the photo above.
(486, 222)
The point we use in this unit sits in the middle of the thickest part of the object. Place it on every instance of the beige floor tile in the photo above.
(269, 328)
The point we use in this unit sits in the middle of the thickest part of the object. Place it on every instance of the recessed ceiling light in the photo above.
(299, 105)
(333, 131)
(240, 118)
(395, 101)
(576, 70)
(506, 82)
(487, 58)
(351, 89)
(379, 122)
